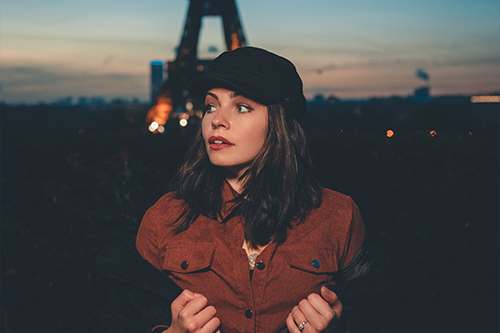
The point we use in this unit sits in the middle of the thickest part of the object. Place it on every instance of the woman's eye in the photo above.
(209, 108)
(244, 108)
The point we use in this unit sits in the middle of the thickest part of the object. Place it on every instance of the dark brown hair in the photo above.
(279, 186)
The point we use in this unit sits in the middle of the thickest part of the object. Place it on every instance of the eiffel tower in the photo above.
(173, 95)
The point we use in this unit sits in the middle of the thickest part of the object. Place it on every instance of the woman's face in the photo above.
(234, 129)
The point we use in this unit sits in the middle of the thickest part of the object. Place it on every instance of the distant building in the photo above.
(83, 101)
(156, 78)
(319, 99)
(332, 100)
(421, 94)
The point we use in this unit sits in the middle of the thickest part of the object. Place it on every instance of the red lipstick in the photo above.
(219, 142)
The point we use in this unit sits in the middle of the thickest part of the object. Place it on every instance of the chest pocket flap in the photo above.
(313, 260)
(187, 259)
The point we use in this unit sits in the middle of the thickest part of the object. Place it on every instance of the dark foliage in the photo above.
(430, 202)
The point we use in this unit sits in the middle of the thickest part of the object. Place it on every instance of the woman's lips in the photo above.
(219, 142)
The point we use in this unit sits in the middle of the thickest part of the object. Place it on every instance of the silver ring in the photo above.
(301, 326)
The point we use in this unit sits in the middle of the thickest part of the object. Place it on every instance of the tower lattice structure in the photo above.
(186, 66)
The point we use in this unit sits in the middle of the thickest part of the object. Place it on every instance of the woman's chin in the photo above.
(231, 170)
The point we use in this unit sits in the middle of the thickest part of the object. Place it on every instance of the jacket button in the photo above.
(316, 263)
(261, 265)
(248, 314)
(184, 265)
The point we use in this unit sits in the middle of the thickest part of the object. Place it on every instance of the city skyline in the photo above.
(350, 49)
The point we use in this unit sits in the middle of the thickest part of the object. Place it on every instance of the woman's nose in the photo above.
(220, 119)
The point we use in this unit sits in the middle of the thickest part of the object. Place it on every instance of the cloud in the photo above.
(107, 60)
(36, 83)
(421, 74)
(407, 62)
(15, 76)
(124, 40)
(359, 90)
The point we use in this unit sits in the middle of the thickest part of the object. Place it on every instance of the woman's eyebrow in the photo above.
(213, 95)
(234, 94)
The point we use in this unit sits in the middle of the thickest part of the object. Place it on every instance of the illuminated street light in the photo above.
(153, 127)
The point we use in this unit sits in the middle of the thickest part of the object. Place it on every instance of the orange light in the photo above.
(235, 42)
(160, 112)
(485, 99)
(432, 133)
(390, 133)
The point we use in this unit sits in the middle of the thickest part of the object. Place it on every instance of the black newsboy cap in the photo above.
(258, 74)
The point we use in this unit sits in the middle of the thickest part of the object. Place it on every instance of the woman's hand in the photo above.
(190, 313)
(316, 313)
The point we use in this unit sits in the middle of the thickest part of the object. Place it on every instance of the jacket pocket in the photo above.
(313, 260)
(188, 259)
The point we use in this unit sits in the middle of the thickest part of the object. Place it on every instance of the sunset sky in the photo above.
(351, 49)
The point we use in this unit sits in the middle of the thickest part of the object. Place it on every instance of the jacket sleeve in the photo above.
(369, 289)
(140, 296)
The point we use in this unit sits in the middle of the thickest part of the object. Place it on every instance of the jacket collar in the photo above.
(228, 194)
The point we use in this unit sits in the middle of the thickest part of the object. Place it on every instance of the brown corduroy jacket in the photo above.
(208, 259)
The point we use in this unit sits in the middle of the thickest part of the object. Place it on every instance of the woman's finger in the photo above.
(195, 315)
(317, 312)
(299, 318)
(191, 313)
(182, 300)
(312, 316)
(196, 304)
(204, 317)
(211, 326)
(318, 321)
(331, 298)
(291, 324)
(322, 307)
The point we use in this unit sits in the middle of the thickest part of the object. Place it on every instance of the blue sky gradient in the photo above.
(351, 49)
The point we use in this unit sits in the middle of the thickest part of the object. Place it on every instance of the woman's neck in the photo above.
(233, 179)
(250, 250)
(235, 184)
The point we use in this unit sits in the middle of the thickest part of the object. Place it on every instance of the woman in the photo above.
(251, 239)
